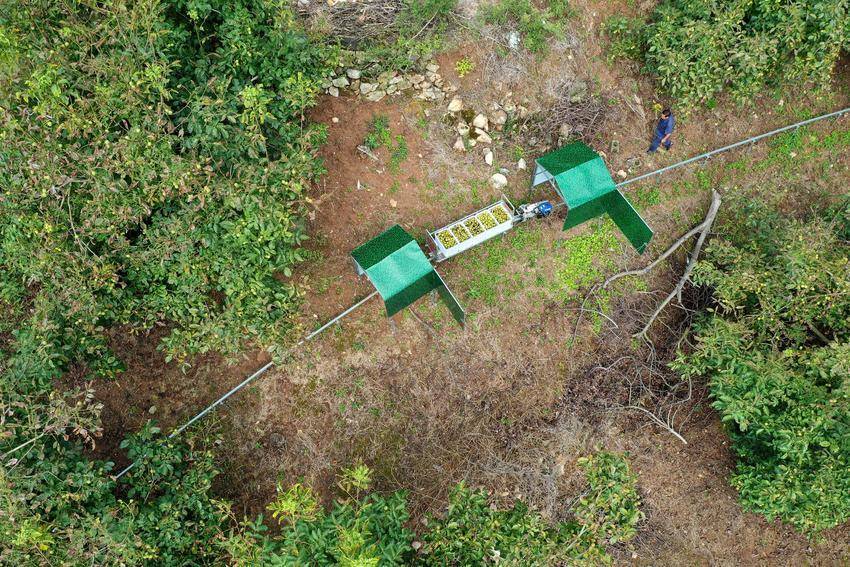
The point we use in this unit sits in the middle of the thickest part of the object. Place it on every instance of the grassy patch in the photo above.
(536, 26)
(583, 259)
(490, 281)
(398, 153)
(379, 135)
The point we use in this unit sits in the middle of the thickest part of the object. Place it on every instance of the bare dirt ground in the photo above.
(513, 399)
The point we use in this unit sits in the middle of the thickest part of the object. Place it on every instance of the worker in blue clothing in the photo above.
(663, 132)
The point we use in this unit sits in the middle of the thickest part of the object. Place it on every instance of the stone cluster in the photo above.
(474, 128)
(427, 84)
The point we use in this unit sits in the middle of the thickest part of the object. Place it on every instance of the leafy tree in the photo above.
(700, 48)
(153, 165)
(777, 355)
(154, 161)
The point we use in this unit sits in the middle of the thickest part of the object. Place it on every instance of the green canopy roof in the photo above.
(580, 177)
(401, 272)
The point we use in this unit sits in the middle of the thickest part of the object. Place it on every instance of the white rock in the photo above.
(462, 128)
(622, 174)
(384, 78)
(483, 136)
(375, 96)
(393, 203)
(353, 73)
(488, 156)
(340, 82)
(498, 118)
(397, 79)
(416, 79)
(480, 121)
(433, 67)
(335, 120)
(456, 105)
(391, 89)
(513, 40)
(459, 145)
(520, 164)
(498, 181)
(333, 91)
(366, 88)
(472, 142)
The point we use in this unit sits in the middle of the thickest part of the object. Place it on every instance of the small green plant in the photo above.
(398, 153)
(464, 66)
(379, 133)
(294, 504)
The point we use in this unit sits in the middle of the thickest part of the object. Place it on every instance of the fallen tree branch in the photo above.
(367, 152)
(658, 421)
(702, 229)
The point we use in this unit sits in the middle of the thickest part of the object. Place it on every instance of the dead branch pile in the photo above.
(354, 22)
(575, 114)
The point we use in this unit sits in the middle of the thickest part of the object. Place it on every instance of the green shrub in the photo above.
(777, 356)
(473, 533)
(357, 531)
(700, 48)
(158, 177)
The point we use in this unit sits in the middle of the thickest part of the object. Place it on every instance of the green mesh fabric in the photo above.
(584, 182)
(629, 221)
(585, 185)
(401, 272)
(412, 292)
(566, 158)
(451, 302)
(622, 213)
(372, 252)
(580, 173)
(584, 213)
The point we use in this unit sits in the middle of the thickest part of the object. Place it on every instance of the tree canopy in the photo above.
(777, 354)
